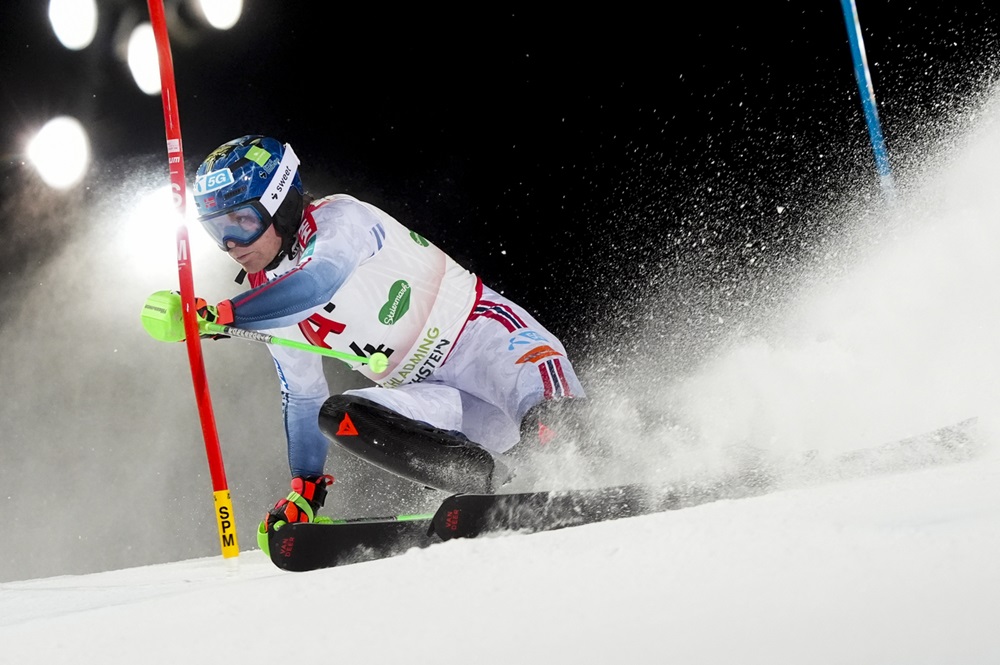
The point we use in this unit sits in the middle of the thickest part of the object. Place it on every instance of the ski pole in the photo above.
(418, 517)
(162, 317)
(377, 362)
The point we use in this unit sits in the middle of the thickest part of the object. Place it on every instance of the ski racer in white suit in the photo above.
(340, 273)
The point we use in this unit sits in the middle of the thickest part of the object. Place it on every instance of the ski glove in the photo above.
(307, 496)
(162, 316)
(222, 314)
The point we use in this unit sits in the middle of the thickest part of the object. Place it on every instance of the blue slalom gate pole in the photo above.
(864, 80)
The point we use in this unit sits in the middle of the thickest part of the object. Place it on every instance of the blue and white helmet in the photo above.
(246, 185)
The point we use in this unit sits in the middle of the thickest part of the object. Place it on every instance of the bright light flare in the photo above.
(143, 60)
(147, 234)
(153, 221)
(60, 152)
(221, 14)
(74, 22)
(145, 240)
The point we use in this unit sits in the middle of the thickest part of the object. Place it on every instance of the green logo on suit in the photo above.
(397, 304)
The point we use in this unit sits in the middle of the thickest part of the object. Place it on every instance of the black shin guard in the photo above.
(413, 450)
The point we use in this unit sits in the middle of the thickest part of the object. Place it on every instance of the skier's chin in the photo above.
(248, 260)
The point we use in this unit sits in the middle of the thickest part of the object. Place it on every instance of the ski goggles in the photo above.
(241, 225)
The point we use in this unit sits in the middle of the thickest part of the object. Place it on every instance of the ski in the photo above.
(471, 515)
(309, 546)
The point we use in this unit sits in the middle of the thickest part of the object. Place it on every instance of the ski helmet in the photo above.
(246, 185)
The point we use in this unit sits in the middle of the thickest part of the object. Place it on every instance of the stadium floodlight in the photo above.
(142, 59)
(74, 22)
(60, 152)
(221, 14)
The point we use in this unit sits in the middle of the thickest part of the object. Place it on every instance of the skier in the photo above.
(466, 365)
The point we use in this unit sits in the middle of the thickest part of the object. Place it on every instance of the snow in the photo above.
(898, 568)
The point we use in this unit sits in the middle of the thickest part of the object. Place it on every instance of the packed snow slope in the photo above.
(898, 568)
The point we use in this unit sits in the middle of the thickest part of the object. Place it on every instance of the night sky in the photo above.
(554, 153)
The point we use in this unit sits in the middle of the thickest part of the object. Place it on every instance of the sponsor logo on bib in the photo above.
(397, 305)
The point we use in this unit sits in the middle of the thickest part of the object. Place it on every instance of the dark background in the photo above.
(633, 176)
(549, 150)
(554, 152)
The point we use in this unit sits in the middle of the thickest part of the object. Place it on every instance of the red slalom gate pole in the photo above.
(175, 156)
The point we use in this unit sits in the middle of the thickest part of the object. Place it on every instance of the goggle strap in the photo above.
(281, 181)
